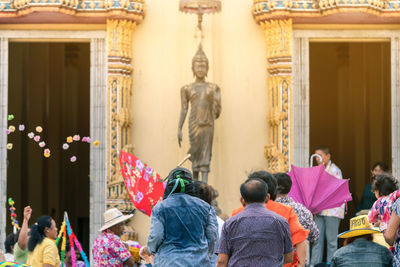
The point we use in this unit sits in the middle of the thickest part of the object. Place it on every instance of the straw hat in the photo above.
(112, 217)
(359, 226)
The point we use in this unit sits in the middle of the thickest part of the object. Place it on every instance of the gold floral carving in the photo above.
(119, 38)
(278, 34)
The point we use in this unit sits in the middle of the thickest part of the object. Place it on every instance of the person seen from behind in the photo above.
(21, 247)
(297, 231)
(305, 216)
(42, 248)
(256, 236)
(11, 239)
(386, 190)
(358, 249)
(183, 228)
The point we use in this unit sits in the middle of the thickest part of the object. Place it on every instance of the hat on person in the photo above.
(112, 217)
(359, 226)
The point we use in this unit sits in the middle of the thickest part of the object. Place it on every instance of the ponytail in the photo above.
(37, 231)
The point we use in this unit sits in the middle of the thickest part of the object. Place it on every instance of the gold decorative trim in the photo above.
(278, 34)
(264, 10)
(86, 9)
(119, 37)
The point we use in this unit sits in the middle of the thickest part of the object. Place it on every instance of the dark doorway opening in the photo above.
(49, 86)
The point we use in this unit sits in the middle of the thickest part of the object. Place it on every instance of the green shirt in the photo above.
(20, 256)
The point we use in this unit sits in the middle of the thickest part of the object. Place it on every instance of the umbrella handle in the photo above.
(312, 158)
(185, 159)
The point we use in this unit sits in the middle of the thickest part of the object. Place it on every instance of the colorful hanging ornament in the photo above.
(96, 143)
(73, 159)
(39, 129)
(69, 139)
(10, 117)
(9, 146)
(76, 137)
(42, 144)
(31, 135)
(65, 146)
(36, 138)
(73, 241)
(11, 128)
(13, 216)
(21, 127)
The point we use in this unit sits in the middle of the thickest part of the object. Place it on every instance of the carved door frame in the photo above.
(301, 85)
(98, 111)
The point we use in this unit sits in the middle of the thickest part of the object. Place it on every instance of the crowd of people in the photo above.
(268, 229)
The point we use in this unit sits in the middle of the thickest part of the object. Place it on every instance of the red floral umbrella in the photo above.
(144, 186)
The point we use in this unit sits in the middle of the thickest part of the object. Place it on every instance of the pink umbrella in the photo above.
(317, 189)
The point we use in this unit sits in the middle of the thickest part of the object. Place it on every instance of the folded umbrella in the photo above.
(317, 189)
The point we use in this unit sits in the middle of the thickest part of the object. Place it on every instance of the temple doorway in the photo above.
(350, 108)
(49, 86)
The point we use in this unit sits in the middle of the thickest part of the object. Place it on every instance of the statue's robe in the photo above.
(205, 107)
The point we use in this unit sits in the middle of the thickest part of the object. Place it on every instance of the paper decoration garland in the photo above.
(73, 241)
(13, 215)
(76, 138)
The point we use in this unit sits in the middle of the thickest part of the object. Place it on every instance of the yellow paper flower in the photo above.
(39, 129)
(69, 139)
(11, 128)
(46, 155)
(96, 143)
(9, 146)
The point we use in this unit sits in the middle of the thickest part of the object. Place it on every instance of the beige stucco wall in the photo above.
(163, 47)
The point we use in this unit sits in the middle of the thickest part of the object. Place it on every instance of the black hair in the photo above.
(11, 239)
(382, 166)
(204, 191)
(254, 190)
(172, 177)
(324, 149)
(269, 179)
(37, 231)
(385, 184)
(284, 183)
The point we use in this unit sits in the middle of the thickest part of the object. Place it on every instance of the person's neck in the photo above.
(200, 80)
(281, 195)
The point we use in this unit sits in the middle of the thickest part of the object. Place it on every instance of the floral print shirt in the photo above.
(109, 251)
(382, 209)
(396, 256)
(305, 217)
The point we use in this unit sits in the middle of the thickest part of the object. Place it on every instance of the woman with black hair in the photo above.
(42, 248)
(183, 228)
(368, 196)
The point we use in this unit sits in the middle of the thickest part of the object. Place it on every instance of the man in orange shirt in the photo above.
(297, 232)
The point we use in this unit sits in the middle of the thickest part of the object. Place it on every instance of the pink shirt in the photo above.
(109, 251)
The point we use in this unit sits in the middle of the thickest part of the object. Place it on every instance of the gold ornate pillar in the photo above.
(119, 55)
(278, 34)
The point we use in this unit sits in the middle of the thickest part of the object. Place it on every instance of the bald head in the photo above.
(254, 190)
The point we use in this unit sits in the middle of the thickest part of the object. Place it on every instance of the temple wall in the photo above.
(163, 46)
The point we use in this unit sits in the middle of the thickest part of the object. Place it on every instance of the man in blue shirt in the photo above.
(256, 236)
